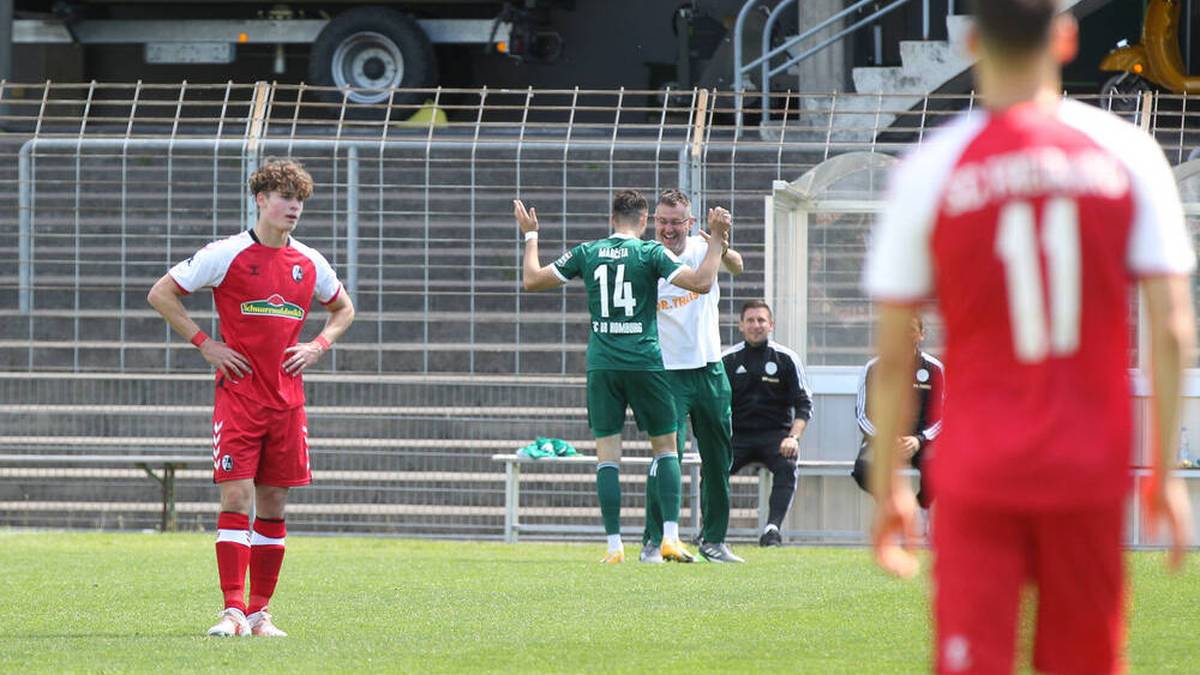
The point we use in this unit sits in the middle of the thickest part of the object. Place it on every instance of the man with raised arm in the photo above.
(1028, 221)
(689, 333)
(624, 361)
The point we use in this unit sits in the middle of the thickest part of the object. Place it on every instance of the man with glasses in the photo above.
(688, 331)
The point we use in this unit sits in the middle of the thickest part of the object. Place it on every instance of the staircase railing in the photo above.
(763, 63)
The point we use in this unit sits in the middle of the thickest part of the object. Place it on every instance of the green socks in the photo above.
(608, 489)
(666, 474)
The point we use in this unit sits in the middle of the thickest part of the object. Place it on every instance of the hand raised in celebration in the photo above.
(719, 222)
(724, 241)
(526, 218)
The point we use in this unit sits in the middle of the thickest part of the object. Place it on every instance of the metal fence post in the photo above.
(25, 227)
(512, 498)
(352, 222)
(764, 496)
(694, 492)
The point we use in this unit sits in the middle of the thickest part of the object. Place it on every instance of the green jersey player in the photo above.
(624, 361)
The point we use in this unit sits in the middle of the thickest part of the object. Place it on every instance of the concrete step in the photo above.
(927, 66)
(934, 59)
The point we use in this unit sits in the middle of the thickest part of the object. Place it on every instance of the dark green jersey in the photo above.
(621, 274)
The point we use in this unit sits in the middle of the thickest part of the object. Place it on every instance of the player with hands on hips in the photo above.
(263, 282)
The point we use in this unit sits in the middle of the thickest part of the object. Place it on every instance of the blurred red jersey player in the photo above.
(263, 283)
(1028, 222)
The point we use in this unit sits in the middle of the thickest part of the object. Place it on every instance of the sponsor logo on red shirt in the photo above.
(273, 306)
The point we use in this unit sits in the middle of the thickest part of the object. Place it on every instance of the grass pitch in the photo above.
(142, 602)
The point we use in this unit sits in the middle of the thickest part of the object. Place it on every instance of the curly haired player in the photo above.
(263, 282)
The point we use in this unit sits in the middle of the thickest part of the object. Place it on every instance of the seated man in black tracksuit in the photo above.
(771, 407)
(929, 382)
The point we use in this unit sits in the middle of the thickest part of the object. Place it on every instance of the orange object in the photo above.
(1157, 57)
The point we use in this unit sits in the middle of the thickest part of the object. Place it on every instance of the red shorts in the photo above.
(249, 441)
(983, 557)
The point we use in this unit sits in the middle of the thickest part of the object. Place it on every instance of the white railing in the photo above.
(448, 362)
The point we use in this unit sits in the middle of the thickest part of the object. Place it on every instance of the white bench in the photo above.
(512, 488)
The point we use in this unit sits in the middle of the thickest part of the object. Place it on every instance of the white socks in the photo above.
(670, 531)
(614, 542)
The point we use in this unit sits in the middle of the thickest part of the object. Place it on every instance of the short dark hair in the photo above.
(755, 304)
(675, 197)
(629, 206)
(1014, 27)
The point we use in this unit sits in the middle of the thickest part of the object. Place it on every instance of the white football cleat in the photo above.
(233, 623)
(262, 626)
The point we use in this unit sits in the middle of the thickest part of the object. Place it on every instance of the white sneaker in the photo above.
(650, 554)
(262, 626)
(233, 623)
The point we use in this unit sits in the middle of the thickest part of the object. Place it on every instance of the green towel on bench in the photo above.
(542, 448)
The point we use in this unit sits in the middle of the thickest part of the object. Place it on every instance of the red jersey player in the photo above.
(1028, 222)
(263, 283)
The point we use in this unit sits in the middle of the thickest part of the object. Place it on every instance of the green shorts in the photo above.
(609, 392)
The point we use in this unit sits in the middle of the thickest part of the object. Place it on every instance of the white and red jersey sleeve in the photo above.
(1028, 227)
(899, 265)
(327, 287)
(1159, 242)
(207, 267)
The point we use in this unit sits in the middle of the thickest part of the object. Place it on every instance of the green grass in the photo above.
(139, 602)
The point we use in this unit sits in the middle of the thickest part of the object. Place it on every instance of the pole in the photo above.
(352, 223)
(6, 36)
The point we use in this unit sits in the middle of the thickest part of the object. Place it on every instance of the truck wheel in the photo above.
(1122, 94)
(370, 51)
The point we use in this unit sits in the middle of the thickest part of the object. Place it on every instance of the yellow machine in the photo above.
(1155, 62)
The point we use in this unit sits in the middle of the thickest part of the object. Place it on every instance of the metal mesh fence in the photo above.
(108, 185)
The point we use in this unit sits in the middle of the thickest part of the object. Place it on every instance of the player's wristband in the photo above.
(199, 338)
(320, 339)
(531, 235)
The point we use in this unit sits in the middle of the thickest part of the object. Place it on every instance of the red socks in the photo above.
(238, 550)
(266, 557)
(233, 556)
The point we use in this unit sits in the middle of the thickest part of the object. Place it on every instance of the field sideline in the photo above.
(141, 602)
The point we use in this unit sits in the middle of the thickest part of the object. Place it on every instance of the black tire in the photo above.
(1121, 94)
(371, 51)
